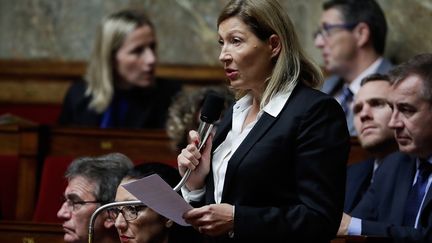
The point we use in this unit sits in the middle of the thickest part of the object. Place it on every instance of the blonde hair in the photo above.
(266, 18)
(101, 69)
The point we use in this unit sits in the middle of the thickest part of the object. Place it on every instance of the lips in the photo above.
(231, 73)
(124, 238)
(366, 129)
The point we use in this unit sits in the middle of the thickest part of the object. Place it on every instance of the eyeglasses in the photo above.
(129, 212)
(74, 206)
(325, 29)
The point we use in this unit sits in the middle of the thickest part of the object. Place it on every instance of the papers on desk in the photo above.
(156, 194)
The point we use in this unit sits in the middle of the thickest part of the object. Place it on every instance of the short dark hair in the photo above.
(375, 77)
(168, 173)
(366, 11)
(420, 65)
(105, 171)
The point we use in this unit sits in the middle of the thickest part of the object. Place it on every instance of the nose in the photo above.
(120, 222)
(225, 56)
(395, 121)
(319, 40)
(148, 57)
(365, 113)
(64, 212)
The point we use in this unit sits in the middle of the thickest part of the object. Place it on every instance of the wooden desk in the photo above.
(28, 232)
(22, 141)
(361, 239)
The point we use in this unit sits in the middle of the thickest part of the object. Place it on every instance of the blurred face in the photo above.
(338, 46)
(148, 226)
(372, 114)
(412, 117)
(136, 58)
(76, 219)
(247, 59)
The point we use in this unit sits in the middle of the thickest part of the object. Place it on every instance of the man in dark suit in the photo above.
(351, 37)
(399, 202)
(371, 116)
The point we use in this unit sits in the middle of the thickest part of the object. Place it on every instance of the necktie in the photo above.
(346, 98)
(417, 193)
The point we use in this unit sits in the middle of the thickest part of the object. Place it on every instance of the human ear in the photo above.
(275, 45)
(362, 34)
(108, 222)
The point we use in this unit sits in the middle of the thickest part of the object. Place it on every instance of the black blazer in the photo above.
(358, 180)
(382, 207)
(148, 108)
(287, 178)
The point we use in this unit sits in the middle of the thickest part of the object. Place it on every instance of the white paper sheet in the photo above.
(156, 194)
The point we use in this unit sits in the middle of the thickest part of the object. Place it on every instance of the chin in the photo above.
(144, 83)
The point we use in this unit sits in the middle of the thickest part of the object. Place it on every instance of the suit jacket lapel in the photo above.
(260, 128)
(403, 186)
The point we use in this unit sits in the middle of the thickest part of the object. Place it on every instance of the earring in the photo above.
(169, 223)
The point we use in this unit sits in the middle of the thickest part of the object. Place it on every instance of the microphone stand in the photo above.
(104, 207)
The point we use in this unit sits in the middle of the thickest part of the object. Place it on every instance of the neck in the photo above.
(362, 61)
(384, 149)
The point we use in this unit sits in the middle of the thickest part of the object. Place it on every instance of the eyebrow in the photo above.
(73, 196)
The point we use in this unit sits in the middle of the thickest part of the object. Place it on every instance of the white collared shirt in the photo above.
(354, 86)
(223, 153)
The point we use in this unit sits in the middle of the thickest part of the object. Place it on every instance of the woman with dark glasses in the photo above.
(140, 224)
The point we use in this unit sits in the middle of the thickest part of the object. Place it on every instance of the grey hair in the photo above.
(105, 171)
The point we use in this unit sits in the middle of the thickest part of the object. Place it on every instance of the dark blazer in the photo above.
(287, 178)
(147, 108)
(382, 206)
(334, 83)
(358, 180)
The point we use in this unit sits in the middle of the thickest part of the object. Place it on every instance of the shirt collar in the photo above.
(355, 84)
(273, 107)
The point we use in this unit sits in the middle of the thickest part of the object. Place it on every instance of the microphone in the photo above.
(210, 113)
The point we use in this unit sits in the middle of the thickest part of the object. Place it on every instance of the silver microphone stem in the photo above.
(204, 131)
(103, 207)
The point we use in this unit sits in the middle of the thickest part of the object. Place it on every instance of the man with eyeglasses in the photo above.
(351, 38)
(92, 182)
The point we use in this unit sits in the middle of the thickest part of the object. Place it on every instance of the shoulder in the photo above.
(396, 162)
(361, 167)
(307, 99)
(331, 84)
(77, 88)
(385, 66)
(167, 86)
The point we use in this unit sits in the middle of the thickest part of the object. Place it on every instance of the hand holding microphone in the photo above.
(210, 113)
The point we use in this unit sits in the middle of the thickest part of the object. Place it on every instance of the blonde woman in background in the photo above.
(120, 88)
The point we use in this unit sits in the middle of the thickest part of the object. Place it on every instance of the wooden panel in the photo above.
(28, 232)
(46, 81)
(23, 142)
(151, 145)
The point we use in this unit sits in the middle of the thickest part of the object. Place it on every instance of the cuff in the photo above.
(192, 196)
(354, 227)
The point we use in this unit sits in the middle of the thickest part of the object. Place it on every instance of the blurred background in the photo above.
(64, 30)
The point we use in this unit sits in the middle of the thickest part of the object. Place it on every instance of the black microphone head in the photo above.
(212, 107)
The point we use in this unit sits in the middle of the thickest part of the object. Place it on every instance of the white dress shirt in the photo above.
(223, 153)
